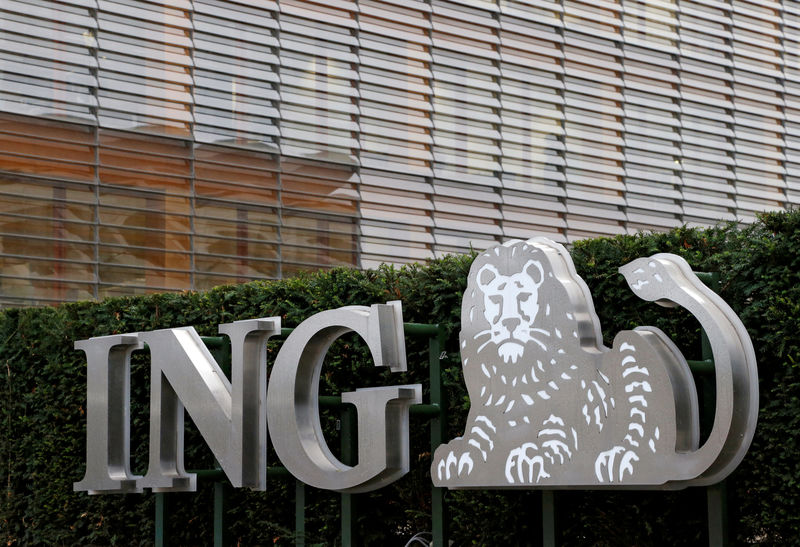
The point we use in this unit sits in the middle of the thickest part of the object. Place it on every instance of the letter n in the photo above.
(230, 415)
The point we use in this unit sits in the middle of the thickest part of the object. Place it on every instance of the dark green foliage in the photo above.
(43, 404)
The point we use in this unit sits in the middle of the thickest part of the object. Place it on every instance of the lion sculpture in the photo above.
(553, 407)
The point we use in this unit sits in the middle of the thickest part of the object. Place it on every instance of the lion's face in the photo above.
(511, 304)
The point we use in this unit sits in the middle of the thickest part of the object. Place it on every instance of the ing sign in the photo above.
(551, 405)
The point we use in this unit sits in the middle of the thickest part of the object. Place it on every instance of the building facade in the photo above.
(157, 146)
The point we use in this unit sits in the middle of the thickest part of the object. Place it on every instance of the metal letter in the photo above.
(293, 408)
(553, 407)
(230, 415)
(108, 414)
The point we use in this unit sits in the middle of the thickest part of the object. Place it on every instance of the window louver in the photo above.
(183, 144)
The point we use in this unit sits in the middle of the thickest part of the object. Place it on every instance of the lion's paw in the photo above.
(612, 464)
(525, 465)
(454, 465)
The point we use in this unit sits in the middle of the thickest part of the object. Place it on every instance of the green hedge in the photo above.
(43, 402)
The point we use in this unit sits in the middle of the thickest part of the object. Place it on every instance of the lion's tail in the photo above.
(669, 280)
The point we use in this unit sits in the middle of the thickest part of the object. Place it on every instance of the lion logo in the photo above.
(553, 407)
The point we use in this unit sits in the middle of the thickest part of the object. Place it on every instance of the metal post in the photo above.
(219, 513)
(349, 450)
(300, 513)
(717, 494)
(717, 497)
(438, 427)
(220, 348)
(548, 518)
(161, 519)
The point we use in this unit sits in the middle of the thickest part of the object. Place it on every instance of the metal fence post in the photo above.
(438, 430)
(548, 518)
(220, 506)
(300, 513)
(716, 494)
(161, 519)
(349, 449)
